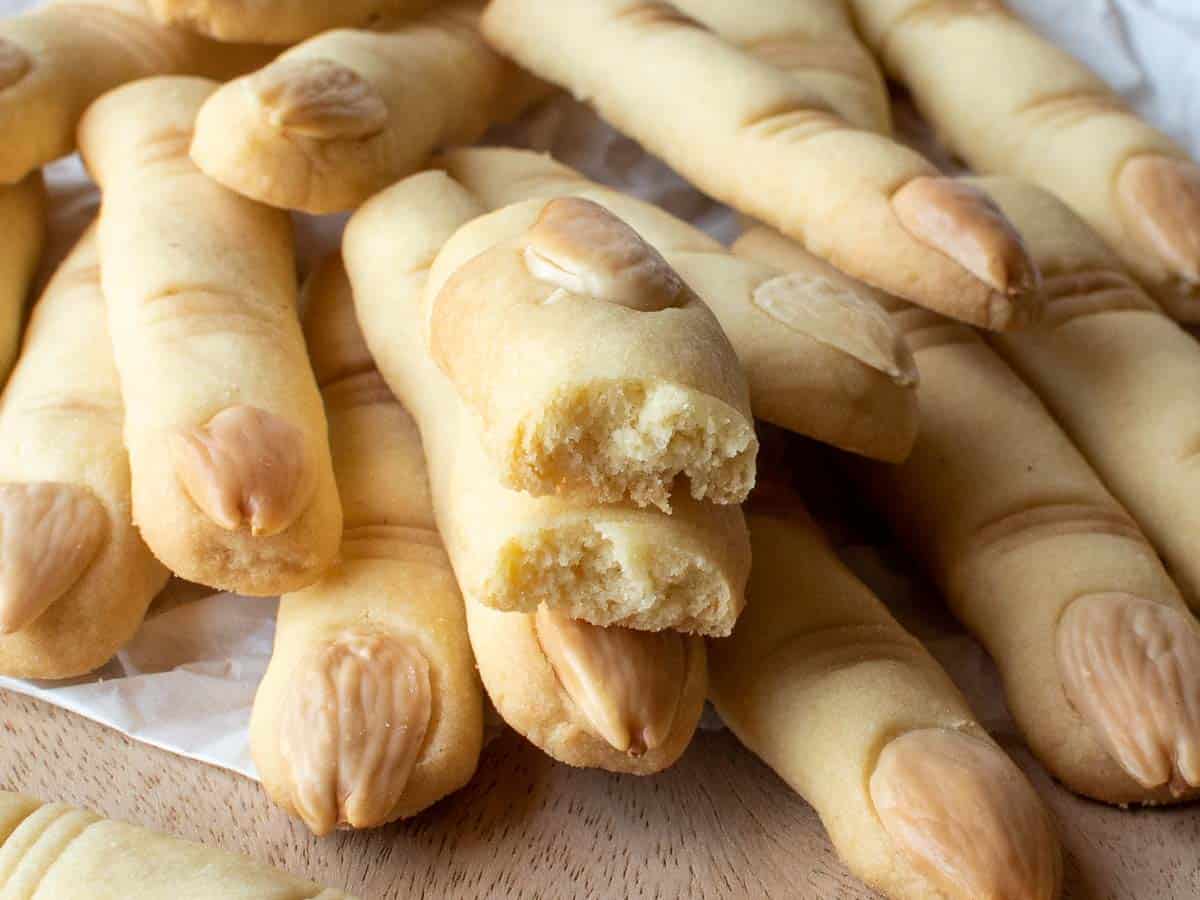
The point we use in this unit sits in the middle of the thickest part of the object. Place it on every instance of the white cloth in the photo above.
(186, 683)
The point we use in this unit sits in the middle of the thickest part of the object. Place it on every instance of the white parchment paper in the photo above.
(186, 682)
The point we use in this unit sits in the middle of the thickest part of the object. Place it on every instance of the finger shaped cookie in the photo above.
(71, 854)
(612, 698)
(1099, 657)
(23, 212)
(816, 40)
(1120, 376)
(773, 143)
(626, 380)
(58, 58)
(1052, 121)
(342, 116)
(232, 482)
(370, 709)
(75, 577)
(276, 21)
(614, 564)
(855, 715)
(820, 355)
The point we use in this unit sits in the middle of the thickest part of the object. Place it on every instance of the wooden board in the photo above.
(718, 825)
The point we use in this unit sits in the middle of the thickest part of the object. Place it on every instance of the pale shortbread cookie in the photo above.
(277, 21)
(232, 482)
(23, 212)
(773, 142)
(1120, 376)
(56, 59)
(820, 354)
(611, 698)
(1099, 656)
(614, 564)
(1050, 120)
(344, 115)
(815, 40)
(370, 709)
(852, 712)
(57, 851)
(75, 577)
(596, 372)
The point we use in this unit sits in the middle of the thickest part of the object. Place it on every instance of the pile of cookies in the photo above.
(509, 450)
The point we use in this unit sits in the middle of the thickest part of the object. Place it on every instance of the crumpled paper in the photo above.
(186, 682)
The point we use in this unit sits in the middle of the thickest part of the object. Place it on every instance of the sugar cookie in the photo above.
(774, 144)
(1099, 656)
(75, 577)
(232, 483)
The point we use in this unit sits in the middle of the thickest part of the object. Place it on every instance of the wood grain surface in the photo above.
(718, 825)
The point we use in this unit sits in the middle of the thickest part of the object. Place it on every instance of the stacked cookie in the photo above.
(505, 448)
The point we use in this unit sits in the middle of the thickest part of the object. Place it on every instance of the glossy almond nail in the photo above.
(319, 99)
(840, 318)
(581, 248)
(1160, 198)
(246, 468)
(626, 683)
(961, 222)
(965, 817)
(1131, 668)
(49, 534)
(356, 717)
